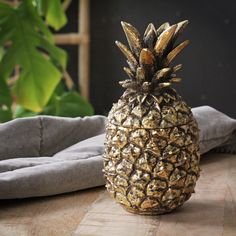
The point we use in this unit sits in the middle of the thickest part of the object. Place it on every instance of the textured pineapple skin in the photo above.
(151, 159)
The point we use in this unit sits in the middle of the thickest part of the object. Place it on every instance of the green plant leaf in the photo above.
(53, 12)
(30, 48)
(5, 102)
(5, 97)
(2, 51)
(68, 104)
(22, 112)
(5, 115)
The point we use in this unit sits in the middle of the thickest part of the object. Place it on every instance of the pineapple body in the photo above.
(151, 160)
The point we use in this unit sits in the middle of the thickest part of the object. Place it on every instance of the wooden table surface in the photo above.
(211, 210)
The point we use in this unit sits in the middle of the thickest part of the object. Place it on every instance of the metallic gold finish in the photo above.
(151, 159)
(149, 28)
(133, 38)
(127, 53)
(140, 74)
(150, 36)
(162, 28)
(128, 83)
(162, 73)
(128, 72)
(146, 57)
(147, 61)
(180, 28)
(164, 40)
(163, 85)
(176, 51)
(175, 80)
(177, 67)
(131, 66)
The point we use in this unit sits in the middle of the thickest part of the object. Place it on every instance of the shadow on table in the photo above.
(202, 214)
(212, 157)
(60, 201)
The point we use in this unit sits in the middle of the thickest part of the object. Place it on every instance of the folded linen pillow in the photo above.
(216, 130)
(46, 135)
(77, 167)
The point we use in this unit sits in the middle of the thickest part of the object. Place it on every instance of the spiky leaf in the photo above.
(170, 57)
(129, 72)
(150, 36)
(164, 40)
(133, 37)
(177, 67)
(162, 73)
(180, 28)
(175, 80)
(162, 28)
(128, 54)
(140, 74)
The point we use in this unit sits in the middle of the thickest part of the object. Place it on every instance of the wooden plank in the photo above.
(83, 68)
(210, 211)
(70, 39)
(57, 215)
(105, 218)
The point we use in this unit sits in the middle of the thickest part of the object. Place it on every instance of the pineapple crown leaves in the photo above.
(149, 57)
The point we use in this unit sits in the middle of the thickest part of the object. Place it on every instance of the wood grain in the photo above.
(84, 48)
(70, 39)
(210, 211)
(53, 216)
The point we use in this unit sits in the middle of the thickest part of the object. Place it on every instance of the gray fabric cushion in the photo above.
(45, 135)
(44, 155)
(78, 167)
(216, 129)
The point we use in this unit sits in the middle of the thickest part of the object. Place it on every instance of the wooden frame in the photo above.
(82, 39)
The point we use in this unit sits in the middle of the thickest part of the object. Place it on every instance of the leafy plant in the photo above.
(53, 13)
(27, 44)
(61, 104)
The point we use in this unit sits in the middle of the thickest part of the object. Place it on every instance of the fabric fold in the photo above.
(45, 155)
(51, 179)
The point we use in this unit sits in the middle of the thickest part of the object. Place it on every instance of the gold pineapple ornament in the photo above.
(151, 159)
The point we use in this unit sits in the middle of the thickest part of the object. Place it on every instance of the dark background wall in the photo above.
(209, 61)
